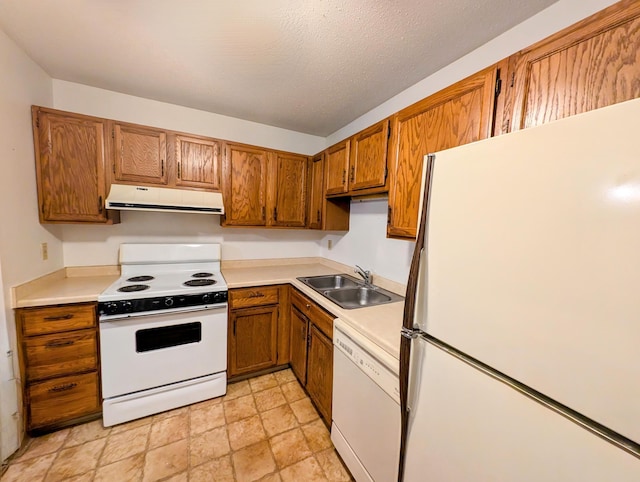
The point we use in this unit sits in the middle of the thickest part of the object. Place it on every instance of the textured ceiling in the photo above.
(308, 65)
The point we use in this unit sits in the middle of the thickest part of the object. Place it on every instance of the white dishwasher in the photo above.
(366, 406)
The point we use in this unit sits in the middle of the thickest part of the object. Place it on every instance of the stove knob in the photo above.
(168, 301)
(127, 306)
(111, 308)
(207, 298)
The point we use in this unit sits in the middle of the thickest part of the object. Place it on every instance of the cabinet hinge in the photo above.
(513, 79)
(389, 215)
(386, 173)
(388, 133)
(275, 214)
(498, 86)
(114, 167)
(113, 133)
(38, 120)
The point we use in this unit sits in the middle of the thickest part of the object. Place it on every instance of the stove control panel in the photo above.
(111, 309)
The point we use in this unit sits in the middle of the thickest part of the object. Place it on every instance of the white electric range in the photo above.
(163, 330)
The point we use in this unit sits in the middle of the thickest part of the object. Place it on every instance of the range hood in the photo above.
(164, 199)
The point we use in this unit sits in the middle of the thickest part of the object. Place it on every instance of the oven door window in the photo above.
(166, 336)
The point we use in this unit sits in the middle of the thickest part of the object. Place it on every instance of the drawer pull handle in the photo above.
(58, 343)
(256, 295)
(63, 388)
(58, 318)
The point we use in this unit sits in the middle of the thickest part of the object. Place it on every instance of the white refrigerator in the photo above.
(520, 357)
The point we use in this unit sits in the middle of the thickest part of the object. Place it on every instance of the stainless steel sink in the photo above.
(348, 292)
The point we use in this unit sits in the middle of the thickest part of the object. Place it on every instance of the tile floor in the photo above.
(265, 429)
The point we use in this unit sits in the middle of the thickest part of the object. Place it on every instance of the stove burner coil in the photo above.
(202, 275)
(199, 282)
(139, 279)
(129, 288)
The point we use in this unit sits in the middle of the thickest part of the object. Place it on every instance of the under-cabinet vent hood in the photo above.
(143, 198)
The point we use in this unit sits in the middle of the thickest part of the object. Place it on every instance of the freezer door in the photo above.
(467, 426)
(533, 259)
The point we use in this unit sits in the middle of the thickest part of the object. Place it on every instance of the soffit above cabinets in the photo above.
(311, 66)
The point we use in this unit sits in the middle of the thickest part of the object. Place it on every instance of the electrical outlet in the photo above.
(44, 250)
(329, 243)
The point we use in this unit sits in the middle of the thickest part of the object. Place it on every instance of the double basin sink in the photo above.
(349, 292)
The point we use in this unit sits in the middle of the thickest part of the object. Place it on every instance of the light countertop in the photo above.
(380, 324)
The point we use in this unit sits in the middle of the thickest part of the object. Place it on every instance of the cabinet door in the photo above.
(320, 371)
(197, 162)
(288, 184)
(70, 167)
(244, 186)
(337, 164)
(140, 154)
(298, 344)
(369, 159)
(316, 192)
(592, 64)
(253, 340)
(454, 116)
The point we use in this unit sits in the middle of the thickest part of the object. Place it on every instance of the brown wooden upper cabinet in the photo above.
(140, 154)
(71, 153)
(329, 214)
(358, 165)
(457, 115)
(288, 190)
(244, 186)
(592, 64)
(197, 162)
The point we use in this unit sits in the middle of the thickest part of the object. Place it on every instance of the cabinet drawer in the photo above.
(259, 296)
(60, 354)
(63, 399)
(317, 316)
(54, 319)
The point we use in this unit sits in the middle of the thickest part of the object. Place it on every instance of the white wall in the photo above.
(554, 18)
(112, 105)
(22, 83)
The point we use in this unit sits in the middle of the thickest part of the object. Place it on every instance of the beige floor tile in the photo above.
(172, 413)
(238, 389)
(86, 433)
(205, 403)
(208, 446)
(317, 435)
(169, 430)
(284, 376)
(129, 469)
(304, 410)
(125, 444)
(268, 399)
(293, 391)
(239, 408)
(167, 460)
(262, 383)
(271, 478)
(245, 432)
(278, 420)
(181, 477)
(45, 444)
(87, 477)
(308, 470)
(76, 460)
(218, 470)
(289, 447)
(123, 427)
(204, 419)
(34, 468)
(253, 462)
(332, 466)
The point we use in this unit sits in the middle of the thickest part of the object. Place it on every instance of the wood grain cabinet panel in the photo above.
(197, 162)
(288, 186)
(336, 168)
(244, 186)
(59, 364)
(298, 344)
(253, 341)
(368, 159)
(320, 371)
(70, 155)
(454, 116)
(329, 214)
(140, 154)
(592, 64)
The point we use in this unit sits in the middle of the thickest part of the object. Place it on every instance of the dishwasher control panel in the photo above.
(368, 364)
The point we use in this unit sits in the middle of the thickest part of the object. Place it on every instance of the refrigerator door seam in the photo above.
(587, 423)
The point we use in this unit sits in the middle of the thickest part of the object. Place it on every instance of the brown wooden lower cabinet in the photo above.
(59, 363)
(312, 350)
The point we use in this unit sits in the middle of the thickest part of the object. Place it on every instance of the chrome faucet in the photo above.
(365, 274)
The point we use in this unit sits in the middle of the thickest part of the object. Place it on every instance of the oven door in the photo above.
(149, 351)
